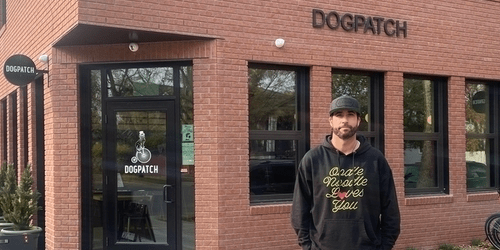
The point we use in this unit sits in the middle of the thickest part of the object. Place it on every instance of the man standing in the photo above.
(344, 197)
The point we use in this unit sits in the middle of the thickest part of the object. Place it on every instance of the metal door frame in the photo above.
(86, 136)
(173, 175)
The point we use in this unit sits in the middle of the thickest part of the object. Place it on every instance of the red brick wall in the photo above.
(393, 125)
(447, 38)
(206, 177)
(321, 96)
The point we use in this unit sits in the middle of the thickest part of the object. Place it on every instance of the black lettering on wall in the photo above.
(355, 22)
(318, 13)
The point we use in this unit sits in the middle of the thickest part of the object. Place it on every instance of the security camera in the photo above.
(133, 47)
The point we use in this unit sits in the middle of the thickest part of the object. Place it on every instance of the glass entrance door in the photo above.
(140, 178)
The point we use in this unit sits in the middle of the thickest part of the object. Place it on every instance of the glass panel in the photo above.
(272, 166)
(419, 106)
(357, 86)
(272, 99)
(3, 9)
(477, 122)
(141, 161)
(140, 82)
(477, 108)
(187, 170)
(96, 151)
(477, 162)
(420, 164)
(4, 130)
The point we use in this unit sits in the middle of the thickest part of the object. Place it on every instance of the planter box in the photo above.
(16, 240)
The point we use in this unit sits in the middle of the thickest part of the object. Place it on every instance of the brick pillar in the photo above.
(394, 129)
(206, 109)
(62, 168)
(22, 136)
(320, 96)
(457, 138)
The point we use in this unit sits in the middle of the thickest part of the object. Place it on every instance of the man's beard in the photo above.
(344, 136)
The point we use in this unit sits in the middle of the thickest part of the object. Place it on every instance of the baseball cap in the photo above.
(344, 102)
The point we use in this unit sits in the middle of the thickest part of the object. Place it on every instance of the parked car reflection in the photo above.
(272, 176)
(411, 175)
(477, 175)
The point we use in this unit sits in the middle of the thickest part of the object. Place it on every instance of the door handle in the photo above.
(165, 194)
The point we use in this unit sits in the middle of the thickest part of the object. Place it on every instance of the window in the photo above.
(4, 130)
(481, 125)
(279, 129)
(367, 88)
(13, 129)
(3, 8)
(425, 133)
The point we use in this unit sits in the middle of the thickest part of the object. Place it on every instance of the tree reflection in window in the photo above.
(277, 97)
(480, 140)
(140, 82)
(357, 86)
(424, 134)
(272, 99)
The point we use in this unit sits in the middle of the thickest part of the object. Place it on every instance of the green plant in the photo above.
(448, 247)
(24, 201)
(477, 243)
(8, 189)
(3, 170)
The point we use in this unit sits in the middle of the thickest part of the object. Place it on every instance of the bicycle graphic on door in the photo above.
(142, 154)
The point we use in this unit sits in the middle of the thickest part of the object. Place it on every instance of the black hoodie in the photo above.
(345, 201)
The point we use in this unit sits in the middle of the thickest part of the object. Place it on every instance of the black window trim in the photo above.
(85, 131)
(494, 135)
(440, 136)
(377, 103)
(3, 21)
(4, 130)
(13, 127)
(301, 135)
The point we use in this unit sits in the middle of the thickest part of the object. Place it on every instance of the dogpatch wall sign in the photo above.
(359, 23)
(19, 70)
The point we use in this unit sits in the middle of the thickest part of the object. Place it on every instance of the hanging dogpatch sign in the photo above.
(19, 70)
(479, 101)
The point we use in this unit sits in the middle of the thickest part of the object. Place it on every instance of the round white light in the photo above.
(44, 58)
(134, 47)
(279, 42)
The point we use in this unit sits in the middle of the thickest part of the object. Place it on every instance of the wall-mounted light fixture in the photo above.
(134, 38)
(44, 58)
(280, 42)
(134, 47)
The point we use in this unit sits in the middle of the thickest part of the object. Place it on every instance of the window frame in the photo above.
(376, 115)
(493, 135)
(4, 130)
(301, 135)
(3, 14)
(13, 128)
(440, 135)
(84, 86)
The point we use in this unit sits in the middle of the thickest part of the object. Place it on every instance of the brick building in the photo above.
(108, 122)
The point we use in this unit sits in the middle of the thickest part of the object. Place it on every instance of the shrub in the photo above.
(24, 201)
(3, 174)
(448, 247)
(7, 189)
(476, 242)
